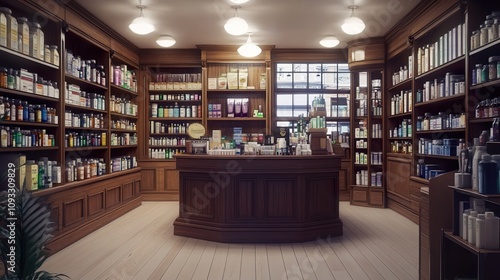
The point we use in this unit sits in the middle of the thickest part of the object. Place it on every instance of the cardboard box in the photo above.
(212, 83)
(232, 80)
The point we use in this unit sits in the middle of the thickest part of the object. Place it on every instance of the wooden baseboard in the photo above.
(403, 210)
(160, 197)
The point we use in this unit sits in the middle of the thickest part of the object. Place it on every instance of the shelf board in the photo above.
(466, 245)
(440, 131)
(168, 146)
(485, 47)
(236, 119)
(158, 159)
(168, 134)
(439, 69)
(359, 186)
(175, 90)
(115, 88)
(175, 119)
(28, 95)
(118, 115)
(494, 83)
(26, 58)
(402, 115)
(437, 156)
(176, 101)
(85, 128)
(406, 84)
(399, 155)
(337, 119)
(123, 130)
(361, 164)
(476, 194)
(419, 180)
(27, 149)
(23, 123)
(235, 90)
(360, 117)
(360, 148)
(482, 120)
(123, 146)
(76, 80)
(89, 148)
(75, 106)
(441, 99)
(399, 138)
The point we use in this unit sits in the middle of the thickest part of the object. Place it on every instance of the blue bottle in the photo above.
(488, 175)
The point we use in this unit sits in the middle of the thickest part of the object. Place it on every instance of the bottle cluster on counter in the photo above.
(22, 111)
(176, 96)
(80, 169)
(25, 81)
(187, 81)
(404, 73)
(84, 139)
(487, 72)
(405, 129)
(451, 85)
(83, 120)
(122, 106)
(17, 137)
(86, 69)
(449, 46)
(404, 147)
(401, 103)
(40, 174)
(167, 141)
(123, 139)
(123, 163)
(441, 121)
(122, 77)
(171, 128)
(487, 32)
(25, 37)
(164, 153)
(175, 111)
(75, 96)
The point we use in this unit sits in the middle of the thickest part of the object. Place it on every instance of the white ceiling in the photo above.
(283, 23)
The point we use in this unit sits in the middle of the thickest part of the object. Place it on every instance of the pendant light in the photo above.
(249, 49)
(236, 25)
(141, 25)
(329, 42)
(353, 25)
(239, 1)
(165, 41)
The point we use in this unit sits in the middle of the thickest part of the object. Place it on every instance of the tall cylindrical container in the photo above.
(488, 175)
(479, 152)
(480, 231)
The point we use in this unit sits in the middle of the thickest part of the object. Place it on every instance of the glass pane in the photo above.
(284, 124)
(284, 105)
(314, 80)
(300, 80)
(344, 80)
(343, 67)
(299, 67)
(284, 67)
(315, 67)
(329, 67)
(329, 80)
(300, 105)
(284, 80)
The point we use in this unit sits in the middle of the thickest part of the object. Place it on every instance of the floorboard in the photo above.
(377, 244)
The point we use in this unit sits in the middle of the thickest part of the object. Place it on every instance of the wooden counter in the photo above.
(258, 198)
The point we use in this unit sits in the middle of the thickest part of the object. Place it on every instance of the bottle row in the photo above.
(449, 46)
(428, 170)
(404, 129)
(484, 73)
(405, 72)
(123, 163)
(15, 137)
(440, 122)
(75, 96)
(480, 228)
(188, 81)
(122, 77)
(83, 120)
(487, 32)
(176, 97)
(317, 122)
(123, 124)
(80, 169)
(172, 128)
(122, 106)
(439, 147)
(164, 153)
(376, 130)
(167, 141)
(25, 37)
(41, 174)
(25, 81)
(85, 139)
(176, 111)
(362, 158)
(401, 103)
(375, 178)
(87, 70)
(123, 139)
(22, 111)
(404, 147)
(488, 108)
(449, 86)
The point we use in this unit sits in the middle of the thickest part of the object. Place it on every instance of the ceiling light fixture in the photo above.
(329, 41)
(353, 25)
(239, 1)
(165, 41)
(141, 25)
(249, 49)
(236, 25)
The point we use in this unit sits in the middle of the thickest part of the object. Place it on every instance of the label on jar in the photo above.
(3, 30)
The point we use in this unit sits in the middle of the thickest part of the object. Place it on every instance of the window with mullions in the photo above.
(297, 84)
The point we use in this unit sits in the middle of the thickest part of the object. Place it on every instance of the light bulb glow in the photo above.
(353, 25)
(249, 49)
(141, 26)
(236, 26)
(239, 1)
(165, 41)
(329, 42)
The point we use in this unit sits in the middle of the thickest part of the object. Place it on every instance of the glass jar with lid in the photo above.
(35, 32)
(492, 67)
(8, 29)
(54, 55)
(483, 35)
(474, 40)
(23, 34)
(493, 30)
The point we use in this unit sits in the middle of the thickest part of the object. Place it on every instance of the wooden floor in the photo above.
(377, 244)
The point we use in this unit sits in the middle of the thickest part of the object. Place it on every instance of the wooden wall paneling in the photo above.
(359, 195)
(242, 197)
(398, 176)
(281, 199)
(229, 53)
(113, 196)
(74, 211)
(55, 214)
(46, 8)
(148, 179)
(201, 197)
(309, 55)
(320, 198)
(171, 180)
(160, 57)
(127, 191)
(366, 53)
(128, 53)
(345, 180)
(376, 197)
(137, 187)
(96, 203)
